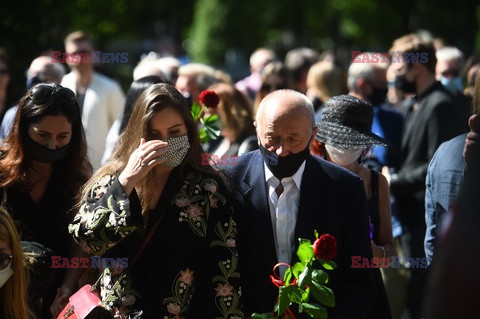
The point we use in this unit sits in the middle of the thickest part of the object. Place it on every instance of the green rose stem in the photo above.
(305, 281)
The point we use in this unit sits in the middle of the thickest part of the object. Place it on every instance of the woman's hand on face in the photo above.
(142, 160)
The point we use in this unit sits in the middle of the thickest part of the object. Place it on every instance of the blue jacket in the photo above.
(444, 179)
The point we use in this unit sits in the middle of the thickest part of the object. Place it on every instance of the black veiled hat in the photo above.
(347, 123)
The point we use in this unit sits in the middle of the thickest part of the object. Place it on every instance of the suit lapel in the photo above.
(254, 190)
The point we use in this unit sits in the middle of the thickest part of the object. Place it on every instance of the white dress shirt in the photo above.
(284, 211)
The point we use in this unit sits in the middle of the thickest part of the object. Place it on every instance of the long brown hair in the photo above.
(15, 162)
(154, 99)
(236, 110)
(14, 292)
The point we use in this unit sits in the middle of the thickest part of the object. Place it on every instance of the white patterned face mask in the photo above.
(343, 157)
(177, 149)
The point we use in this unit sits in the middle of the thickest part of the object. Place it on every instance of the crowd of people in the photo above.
(375, 153)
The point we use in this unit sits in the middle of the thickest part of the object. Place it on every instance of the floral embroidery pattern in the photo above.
(182, 290)
(94, 225)
(116, 292)
(196, 204)
(104, 219)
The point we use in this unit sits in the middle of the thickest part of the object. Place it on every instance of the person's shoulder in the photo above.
(105, 81)
(242, 163)
(439, 96)
(68, 80)
(334, 172)
(452, 147)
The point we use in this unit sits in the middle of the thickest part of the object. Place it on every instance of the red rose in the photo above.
(209, 98)
(325, 247)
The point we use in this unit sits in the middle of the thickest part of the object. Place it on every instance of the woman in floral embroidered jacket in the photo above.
(189, 267)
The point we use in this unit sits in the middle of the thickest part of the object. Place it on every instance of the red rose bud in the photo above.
(209, 98)
(325, 247)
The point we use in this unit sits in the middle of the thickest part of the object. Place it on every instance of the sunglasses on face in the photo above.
(3, 71)
(5, 260)
(42, 94)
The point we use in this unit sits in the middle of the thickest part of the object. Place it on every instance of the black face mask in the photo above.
(283, 166)
(378, 95)
(42, 154)
(404, 85)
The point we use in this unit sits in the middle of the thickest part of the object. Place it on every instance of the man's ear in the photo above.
(362, 86)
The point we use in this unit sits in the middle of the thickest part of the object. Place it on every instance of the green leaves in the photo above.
(283, 299)
(262, 316)
(323, 294)
(320, 276)
(305, 250)
(314, 310)
(298, 269)
(305, 277)
(304, 280)
(209, 119)
(329, 265)
(207, 130)
(196, 111)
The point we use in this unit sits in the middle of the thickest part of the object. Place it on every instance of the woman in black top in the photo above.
(155, 180)
(343, 134)
(43, 164)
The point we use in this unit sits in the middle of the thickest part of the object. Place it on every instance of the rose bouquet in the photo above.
(207, 130)
(304, 283)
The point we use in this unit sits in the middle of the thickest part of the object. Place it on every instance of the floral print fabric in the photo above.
(198, 213)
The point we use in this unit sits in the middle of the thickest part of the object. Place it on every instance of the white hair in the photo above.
(204, 75)
(450, 53)
(168, 65)
(146, 67)
(358, 71)
(261, 57)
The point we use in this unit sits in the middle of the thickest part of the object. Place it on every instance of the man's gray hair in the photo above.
(358, 71)
(450, 53)
(204, 74)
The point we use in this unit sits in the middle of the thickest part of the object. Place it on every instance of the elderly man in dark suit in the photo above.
(282, 193)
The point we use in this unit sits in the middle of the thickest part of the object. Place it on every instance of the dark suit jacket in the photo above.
(332, 200)
(438, 118)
